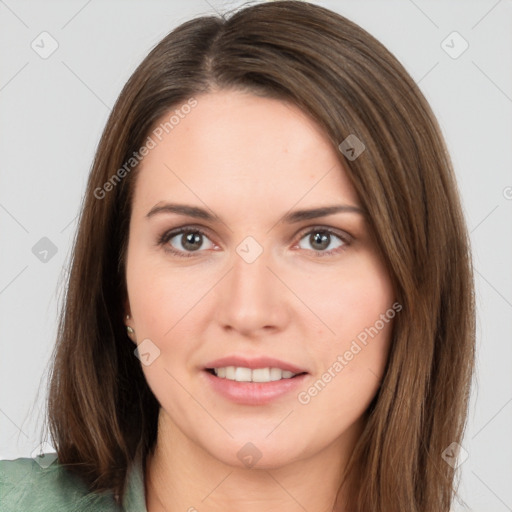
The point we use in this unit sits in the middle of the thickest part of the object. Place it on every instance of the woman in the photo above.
(271, 301)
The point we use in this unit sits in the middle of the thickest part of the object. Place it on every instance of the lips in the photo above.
(253, 381)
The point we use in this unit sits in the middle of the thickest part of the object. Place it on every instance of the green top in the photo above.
(28, 486)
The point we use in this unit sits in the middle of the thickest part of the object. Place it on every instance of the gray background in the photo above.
(53, 111)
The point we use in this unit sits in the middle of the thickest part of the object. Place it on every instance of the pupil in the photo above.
(322, 239)
(191, 239)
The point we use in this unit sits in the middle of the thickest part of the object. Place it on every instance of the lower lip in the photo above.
(253, 393)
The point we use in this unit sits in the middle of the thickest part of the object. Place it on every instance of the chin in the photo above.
(245, 452)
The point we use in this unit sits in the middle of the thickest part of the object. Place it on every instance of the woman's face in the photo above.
(255, 287)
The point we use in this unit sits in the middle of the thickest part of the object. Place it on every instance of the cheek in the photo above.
(350, 377)
(159, 294)
(353, 346)
(351, 298)
(166, 305)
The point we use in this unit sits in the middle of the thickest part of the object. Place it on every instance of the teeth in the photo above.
(276, 373)
(241, 374)
(230, 373)
(261, 375)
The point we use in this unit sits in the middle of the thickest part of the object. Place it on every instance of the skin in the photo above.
(251, 160)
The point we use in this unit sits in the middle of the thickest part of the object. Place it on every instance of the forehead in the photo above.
(235, 146)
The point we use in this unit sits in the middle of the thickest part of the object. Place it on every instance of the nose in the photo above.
(252, 299)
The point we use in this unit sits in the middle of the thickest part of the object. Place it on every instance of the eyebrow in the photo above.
(289, 218)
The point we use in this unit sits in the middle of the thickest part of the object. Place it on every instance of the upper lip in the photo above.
(254, 362)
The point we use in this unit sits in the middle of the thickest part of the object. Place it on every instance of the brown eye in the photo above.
(184, 241)
(321, 239)
(190, 241)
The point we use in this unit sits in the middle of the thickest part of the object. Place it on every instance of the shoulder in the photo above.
(26, 484)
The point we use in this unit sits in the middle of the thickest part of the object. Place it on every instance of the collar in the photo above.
(134, 496)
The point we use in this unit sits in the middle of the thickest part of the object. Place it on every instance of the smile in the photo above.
(243, 374)
(253, 381)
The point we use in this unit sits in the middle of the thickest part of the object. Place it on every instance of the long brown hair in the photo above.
(99, 404)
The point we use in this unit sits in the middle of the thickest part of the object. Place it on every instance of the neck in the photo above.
(181, 476)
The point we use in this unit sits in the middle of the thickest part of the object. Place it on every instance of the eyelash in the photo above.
(168, 235)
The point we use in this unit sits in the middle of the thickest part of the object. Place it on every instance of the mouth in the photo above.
(260, 375)
(253, 381)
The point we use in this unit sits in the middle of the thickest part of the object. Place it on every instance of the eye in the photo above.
(184, 241)
(321, 238)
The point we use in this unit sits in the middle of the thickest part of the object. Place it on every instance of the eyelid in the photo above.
(344, 235)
